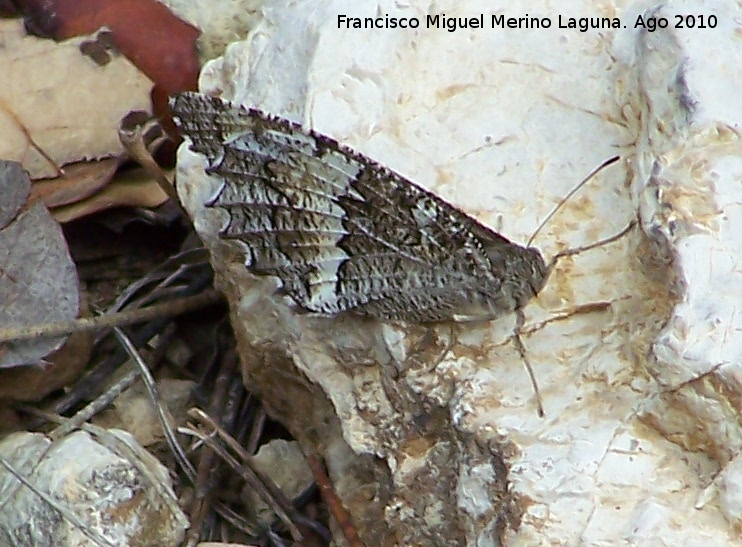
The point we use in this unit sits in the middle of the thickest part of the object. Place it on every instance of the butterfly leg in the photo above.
(518, 343)
(432, 348)
(566, 313)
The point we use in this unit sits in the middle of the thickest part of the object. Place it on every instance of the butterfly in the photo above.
(346, 234)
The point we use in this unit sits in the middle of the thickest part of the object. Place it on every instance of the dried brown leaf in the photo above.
(59, 105)
(60, 369)
(38, 282)
(80, 181)
(133, 189)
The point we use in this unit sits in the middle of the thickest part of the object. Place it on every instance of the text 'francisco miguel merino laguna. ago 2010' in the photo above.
(500, 21)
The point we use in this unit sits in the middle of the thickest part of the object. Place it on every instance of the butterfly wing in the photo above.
(342, 232)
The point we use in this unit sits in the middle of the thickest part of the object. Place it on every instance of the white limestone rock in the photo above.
(431, 434)
(111, 490)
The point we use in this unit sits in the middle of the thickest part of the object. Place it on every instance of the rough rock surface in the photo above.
(430, 433)
(99, 488)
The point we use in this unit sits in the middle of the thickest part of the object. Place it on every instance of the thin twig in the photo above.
(249, 476)
(149, 382)
(273, 491)
(259, 420)
(333, 501)
(96, 405)
(208, 472)
(133, 140)
(166, 274)
(276, 500)
(237, 521)
(88, 387)
(170, 308)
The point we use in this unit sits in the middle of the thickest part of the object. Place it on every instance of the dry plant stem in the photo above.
(64, 511)
(165, 274)
(88, 387)
(249, 476)
(262, 485)
(241, 412)
(39, 413)
(236, 520)
(149, 381)
(206, 476)
(333, 501)
(95, 406)
(275, 539)
(241, 415)
(236, 447)
(197, 513)
(134, 143)
(257, 431)
(171, 308)
(271, 489)
(208, 473)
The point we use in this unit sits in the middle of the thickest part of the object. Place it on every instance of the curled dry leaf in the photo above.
(38, 280)
(80, 181)
(133, 189)
(77, 115)
(92, 186)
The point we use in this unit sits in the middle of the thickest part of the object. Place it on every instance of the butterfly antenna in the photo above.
(572, 192)
(602, 242)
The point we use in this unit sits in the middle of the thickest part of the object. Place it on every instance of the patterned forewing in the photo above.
(342, 232)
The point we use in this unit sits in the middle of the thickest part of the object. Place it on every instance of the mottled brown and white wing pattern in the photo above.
(344, 233)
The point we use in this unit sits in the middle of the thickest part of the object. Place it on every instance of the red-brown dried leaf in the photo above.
(145, 31)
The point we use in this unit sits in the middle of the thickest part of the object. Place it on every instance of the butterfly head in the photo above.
(518, 273)
(539, 270)
(527, 275)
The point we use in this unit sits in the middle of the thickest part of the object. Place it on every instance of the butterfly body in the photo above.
(344, 233)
